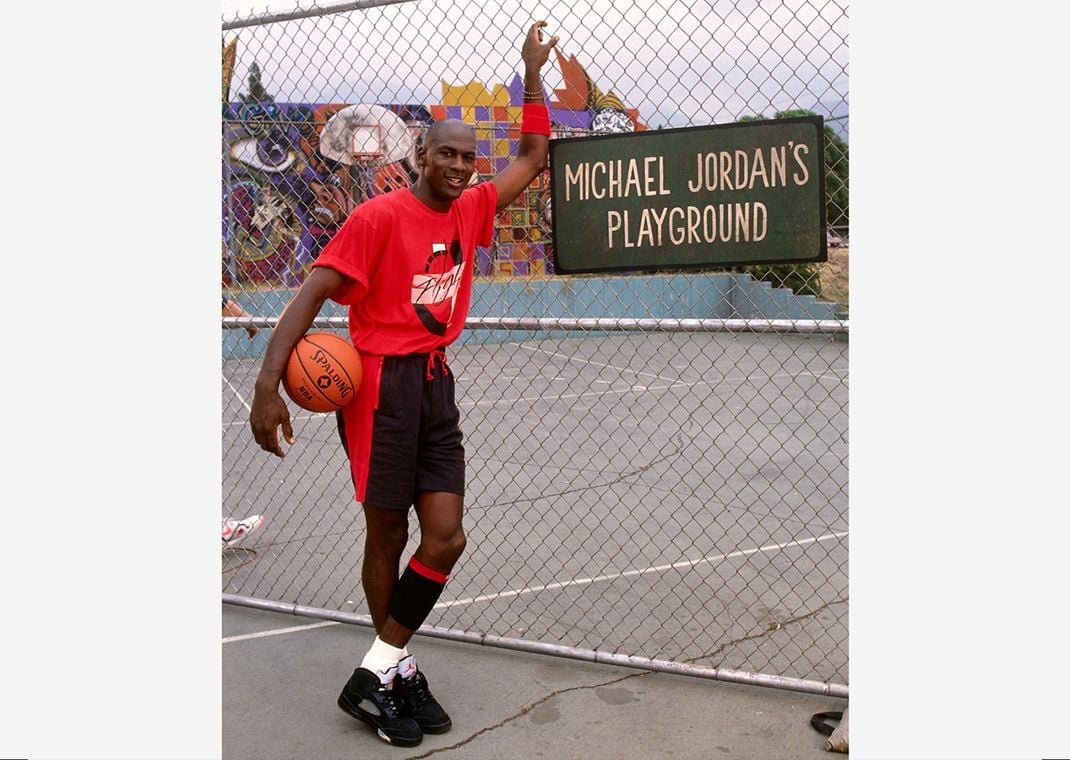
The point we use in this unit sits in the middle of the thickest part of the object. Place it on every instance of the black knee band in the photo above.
(415, 595)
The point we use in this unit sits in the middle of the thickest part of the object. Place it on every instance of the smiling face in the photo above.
(446, 160)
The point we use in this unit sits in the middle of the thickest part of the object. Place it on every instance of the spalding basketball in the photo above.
(323, 372)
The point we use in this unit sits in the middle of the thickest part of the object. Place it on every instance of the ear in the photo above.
(421, 155)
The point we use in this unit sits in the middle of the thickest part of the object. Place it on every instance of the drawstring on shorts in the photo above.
(440, 355)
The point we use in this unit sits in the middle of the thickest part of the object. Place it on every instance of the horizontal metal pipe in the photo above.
(559, 650)
(661, 324)
(322, 10)
(604, 324)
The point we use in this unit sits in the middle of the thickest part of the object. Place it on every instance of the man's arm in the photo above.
(269, 410)
(532, 149)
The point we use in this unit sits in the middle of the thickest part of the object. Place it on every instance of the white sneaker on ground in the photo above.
(236, 530)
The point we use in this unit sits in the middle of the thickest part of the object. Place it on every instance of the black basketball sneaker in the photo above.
(420, 704)
(370, 701)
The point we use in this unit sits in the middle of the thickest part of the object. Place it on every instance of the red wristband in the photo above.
(535, 119)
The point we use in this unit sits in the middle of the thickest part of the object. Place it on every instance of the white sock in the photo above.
(382, 659)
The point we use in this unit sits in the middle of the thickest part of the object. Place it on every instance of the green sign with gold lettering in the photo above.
(690, 198)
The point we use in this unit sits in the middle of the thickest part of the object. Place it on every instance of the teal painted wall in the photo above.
(678, 296)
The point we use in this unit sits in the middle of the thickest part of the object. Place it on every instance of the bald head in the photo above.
(449, 130)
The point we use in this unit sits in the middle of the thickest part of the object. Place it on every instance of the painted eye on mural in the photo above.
(271, 152)
(266, 154)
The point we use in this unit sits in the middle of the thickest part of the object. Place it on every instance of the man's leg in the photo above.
(369, 694)
(399, 606)
(387, 531)
(442, 541)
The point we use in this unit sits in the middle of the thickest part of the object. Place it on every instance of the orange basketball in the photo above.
(323, 372)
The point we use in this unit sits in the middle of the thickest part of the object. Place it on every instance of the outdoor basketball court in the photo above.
(578, 540)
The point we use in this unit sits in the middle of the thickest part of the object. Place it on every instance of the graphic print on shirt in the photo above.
(434, 292)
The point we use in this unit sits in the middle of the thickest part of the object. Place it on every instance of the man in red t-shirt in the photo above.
(403, 264)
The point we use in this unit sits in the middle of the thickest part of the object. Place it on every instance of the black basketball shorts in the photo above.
(402, 432)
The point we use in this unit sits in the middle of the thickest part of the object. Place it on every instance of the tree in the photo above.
(837, 163)
(803, 278)
(257, 93)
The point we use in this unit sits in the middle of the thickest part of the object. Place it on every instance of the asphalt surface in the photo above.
(282, 674)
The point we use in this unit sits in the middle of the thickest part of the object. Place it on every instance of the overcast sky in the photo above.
(728, 58)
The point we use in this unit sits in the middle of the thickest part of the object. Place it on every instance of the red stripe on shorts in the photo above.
(358, 416)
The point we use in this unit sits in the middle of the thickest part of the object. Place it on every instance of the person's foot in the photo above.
(235, 530)
(372, 702)
(419, 703)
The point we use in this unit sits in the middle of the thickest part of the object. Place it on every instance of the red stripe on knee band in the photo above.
(427, 572)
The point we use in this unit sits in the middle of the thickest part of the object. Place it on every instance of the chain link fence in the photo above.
(657, 463)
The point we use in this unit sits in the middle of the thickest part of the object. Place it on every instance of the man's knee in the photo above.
(387, 531)
(452, 546)
(443, 548)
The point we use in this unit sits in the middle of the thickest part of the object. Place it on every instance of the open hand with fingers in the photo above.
(536, 50)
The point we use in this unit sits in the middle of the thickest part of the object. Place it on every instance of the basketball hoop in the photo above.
(365, 132)
(364, 138)
(366, 144)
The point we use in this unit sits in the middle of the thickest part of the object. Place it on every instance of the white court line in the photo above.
(561, 584)
(606, 392)
(633, 573)
(235, 391)
(279, 631)
(563, 396)
(619, 391)
(637, 373)
(293, 418)
(588, 361)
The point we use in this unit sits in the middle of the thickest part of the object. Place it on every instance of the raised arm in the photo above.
(534, 144)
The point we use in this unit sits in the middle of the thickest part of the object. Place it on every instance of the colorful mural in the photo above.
(290, 178)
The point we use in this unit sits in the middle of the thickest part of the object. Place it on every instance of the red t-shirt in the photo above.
(410, 268)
